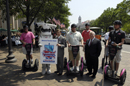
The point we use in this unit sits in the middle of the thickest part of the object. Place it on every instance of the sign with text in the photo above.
(48, 51)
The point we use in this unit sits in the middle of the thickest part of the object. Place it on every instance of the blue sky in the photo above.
(89, 9)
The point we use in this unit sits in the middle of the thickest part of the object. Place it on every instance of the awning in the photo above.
(14, 30)
(1, 29)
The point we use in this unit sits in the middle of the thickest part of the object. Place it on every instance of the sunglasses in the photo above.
(45, 30)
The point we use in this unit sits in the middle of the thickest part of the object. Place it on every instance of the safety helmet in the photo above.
(87, 24)
(117, 22)
(111, 28)
(73, 26)
(25, 26)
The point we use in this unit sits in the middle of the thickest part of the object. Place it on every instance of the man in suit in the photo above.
(92, 52)
(61, 45)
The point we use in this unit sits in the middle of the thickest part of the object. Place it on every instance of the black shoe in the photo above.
(56, 72)
(93, 76)
(88, 73)
(113, 74)
(59, 74)
(31, 62)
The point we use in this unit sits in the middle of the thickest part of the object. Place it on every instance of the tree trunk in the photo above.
(27, 16)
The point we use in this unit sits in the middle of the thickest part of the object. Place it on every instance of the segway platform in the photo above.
(107, 69)
(29, 66)
(75, 50)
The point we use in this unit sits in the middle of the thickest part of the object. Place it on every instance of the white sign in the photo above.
(48, 51)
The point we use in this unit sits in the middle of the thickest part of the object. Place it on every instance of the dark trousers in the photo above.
(60, 64)
(3, 43)
(92, 64)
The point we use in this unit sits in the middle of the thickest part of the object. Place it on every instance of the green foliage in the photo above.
(110, 15)
(40, 9)
(126, 28)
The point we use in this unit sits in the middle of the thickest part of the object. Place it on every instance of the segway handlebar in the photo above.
(77, 45)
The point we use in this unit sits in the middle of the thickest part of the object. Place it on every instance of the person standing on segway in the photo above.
(92, 52)
(106, 48)
(85, 35)
(27, 37)
(117, 38)
(74, 38)
(107, 37)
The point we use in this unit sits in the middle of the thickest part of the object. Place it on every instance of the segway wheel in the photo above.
(24, 64)
(122, 76)
(106, 71)
(36, 65)
(102, 63)
(82, 70)
(65, 62)
(68, 69)
(82, 60)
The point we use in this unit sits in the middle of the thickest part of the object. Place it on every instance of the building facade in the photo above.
(14, 23)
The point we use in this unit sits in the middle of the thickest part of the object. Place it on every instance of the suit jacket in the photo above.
(93, 51)
(62, 42)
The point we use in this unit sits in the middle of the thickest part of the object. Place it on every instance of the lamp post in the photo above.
(10, 58)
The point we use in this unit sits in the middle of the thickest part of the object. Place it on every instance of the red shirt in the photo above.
(85, 35)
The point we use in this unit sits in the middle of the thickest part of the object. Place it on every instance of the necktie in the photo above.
(90, 42)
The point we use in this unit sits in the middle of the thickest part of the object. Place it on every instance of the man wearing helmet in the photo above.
(27, 37)
(107, 37)
(117, 38)
(74, 38)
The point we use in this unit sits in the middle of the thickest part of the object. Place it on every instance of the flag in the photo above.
(55, 20)
(58, 22)
(50, 20)
(62, 25)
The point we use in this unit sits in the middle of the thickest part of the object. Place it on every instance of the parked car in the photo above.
(127, 39)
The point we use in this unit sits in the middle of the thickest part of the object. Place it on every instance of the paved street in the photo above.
(11, 74)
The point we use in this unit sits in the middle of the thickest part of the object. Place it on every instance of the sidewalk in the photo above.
(11, 74)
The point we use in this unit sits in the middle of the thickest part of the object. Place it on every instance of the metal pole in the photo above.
(10, 58)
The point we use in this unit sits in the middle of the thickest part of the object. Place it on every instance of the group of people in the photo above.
(91, 46)
(15, 40)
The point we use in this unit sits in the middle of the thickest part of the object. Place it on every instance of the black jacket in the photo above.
(94, 50)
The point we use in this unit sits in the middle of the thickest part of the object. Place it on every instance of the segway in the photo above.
(107, 68)
(65, 62)
(75, 50)
(105, 57)
(28, 66)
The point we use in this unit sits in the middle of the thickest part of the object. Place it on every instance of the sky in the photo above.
(89, 9)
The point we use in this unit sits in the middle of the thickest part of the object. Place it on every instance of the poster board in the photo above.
(48, 51)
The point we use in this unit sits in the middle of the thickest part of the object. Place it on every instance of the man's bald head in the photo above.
(92, 34)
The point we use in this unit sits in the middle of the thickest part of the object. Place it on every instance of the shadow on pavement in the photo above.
(38, 76)
(10, 75)
(98, 83)
(108, 82)
(100, 70)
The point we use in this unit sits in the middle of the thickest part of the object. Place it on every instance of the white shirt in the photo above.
(59, 36)
(87, 30)
(74, 38)
(117, 31)
(106, 36)
(90, 41)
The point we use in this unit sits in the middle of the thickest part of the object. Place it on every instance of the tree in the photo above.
(110, 15)
(31, 9)
(58, 9)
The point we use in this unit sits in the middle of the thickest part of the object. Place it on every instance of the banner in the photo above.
(48, 51)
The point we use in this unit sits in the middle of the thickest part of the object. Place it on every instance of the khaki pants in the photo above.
(71, 55)
(25, 52)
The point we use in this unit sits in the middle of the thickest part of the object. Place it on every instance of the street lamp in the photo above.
(10, 58)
